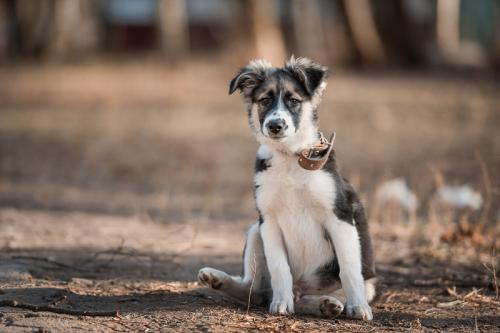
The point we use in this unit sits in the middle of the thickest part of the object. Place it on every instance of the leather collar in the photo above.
(316, 156)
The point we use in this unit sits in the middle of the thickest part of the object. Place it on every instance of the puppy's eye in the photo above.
(265, 101)
(293, 102)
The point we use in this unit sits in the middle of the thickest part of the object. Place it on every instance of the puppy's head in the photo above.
(282, 102)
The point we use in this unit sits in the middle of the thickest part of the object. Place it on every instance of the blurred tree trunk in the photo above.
(338, 46)
(269, 41)
(497, 37)
(5, 26)
(361, 22)
(308, 29)
(174, 27)
(448, 28)
(75, 28)
(407, 30)
(29, 26)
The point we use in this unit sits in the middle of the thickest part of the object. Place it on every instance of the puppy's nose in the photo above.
(276, 126)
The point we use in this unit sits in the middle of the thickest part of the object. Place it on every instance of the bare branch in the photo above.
(48, 308)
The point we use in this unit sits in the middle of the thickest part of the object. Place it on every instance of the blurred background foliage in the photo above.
(407, 33)
(120, 106)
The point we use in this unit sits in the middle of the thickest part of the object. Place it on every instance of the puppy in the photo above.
(310, 251)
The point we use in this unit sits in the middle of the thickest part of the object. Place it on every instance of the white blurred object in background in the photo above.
(396, 190)
(459, 196)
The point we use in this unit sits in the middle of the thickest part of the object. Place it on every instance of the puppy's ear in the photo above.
(310, 74)
(250, 77)
(245, 80)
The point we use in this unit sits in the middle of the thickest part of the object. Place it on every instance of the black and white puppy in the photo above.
(310, 251)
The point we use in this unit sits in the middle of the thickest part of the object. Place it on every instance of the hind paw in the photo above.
(330, 307)
(212, 277)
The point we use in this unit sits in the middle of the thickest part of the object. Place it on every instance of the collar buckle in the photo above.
(315, 157)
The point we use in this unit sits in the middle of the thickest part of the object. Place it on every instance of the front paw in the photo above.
(282, 305)
(359, 311)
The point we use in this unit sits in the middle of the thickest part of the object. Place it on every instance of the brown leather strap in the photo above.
(315, 157)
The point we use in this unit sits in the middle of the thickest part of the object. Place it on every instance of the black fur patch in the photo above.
(243, 258)
(247, 80)
(327, 237)
(367, 260)
(348, 208)
(344, 200)
(309, 74)
(329, 273)
(262, 164)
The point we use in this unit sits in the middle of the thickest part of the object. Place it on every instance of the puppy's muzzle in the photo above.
(276, 127)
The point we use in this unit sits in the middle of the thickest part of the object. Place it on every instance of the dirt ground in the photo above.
(113, 194)
(146, 270)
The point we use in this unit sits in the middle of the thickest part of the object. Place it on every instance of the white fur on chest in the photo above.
(300, 202)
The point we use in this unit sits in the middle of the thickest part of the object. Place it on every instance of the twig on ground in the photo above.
(443, 283)
(58, 299)
(254, 271)
(48, 308)
(452, 291)
(487, 187)
(122, 251)
(173, 256)
(492, 268)
(116, 321)
(427, 283)
(192, 241)
(190, 245)
(449, 304)
(112, 252)
(474, 292)
(50, 261)
(390, 296)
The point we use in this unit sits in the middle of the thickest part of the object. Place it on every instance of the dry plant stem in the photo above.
(48, 308)
(191, 242)
(58, 300)
(254, 270)
(435, 283)
(50, 261)
(449, 304)
(487, 187)
(121, 250)
(113, 252)
(492, 268)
